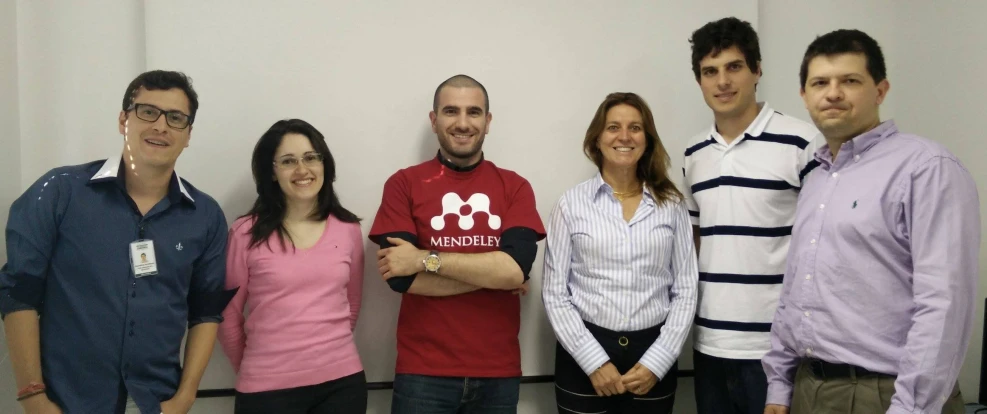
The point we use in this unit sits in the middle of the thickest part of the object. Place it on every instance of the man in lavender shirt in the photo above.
(878, 297)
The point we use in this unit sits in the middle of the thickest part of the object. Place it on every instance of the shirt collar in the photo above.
(856, 147)
(599, 187)
(110, 172)
(455, 167)
(755, 128)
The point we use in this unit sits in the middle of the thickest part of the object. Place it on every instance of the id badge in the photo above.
(142, 258)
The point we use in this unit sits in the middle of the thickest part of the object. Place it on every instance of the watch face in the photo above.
(431, 263)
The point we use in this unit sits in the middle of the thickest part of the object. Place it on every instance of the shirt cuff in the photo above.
(898, 409)
(10, 305)
(204, 319)
(204, 305)
(779, 394)
(656, 360)
(591, 356)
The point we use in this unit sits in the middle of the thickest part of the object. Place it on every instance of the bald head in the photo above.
(461, 81)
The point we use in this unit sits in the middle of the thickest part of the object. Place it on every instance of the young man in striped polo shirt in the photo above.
(742, 178)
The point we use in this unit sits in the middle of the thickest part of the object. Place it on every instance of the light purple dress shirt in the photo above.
(882, 269)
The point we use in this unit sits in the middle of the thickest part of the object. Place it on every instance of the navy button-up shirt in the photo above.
(104, 333)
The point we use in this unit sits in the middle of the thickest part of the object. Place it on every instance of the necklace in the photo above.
(623, 195)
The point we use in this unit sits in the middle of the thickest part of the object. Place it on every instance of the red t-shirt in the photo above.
(473, 334)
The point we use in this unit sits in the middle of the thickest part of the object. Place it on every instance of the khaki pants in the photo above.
(867, 395)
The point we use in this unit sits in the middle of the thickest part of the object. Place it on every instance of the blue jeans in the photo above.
(729, 386)
(421, 394)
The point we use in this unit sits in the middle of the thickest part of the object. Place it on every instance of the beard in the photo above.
(461, 152)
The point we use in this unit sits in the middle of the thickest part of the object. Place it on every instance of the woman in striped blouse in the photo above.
(620, 271)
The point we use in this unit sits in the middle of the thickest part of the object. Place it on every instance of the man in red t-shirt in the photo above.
(458, 237)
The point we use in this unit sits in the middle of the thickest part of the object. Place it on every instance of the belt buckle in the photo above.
(623, 341)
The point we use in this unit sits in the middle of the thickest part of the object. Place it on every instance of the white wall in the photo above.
(10, 165)
(74, 61)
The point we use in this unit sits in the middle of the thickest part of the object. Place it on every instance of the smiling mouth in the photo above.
(623, 149)
(725, 96)
(303, 182)
(157, 142)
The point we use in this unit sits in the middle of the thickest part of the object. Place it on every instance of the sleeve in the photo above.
(690, 200)
(394, 214)
(399, 284)
(660, 357)
(32, 230)
(521, 243)
(807, 157)
(232, 337)
(562, 314)
(354, 288)
(942, 216)
(781, 362)
(522, 211)
(207, 298)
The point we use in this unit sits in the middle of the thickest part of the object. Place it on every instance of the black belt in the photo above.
(829, 370)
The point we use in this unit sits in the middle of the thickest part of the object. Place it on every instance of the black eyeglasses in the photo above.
(151, 113)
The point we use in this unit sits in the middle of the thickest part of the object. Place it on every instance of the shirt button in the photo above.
(131, 333)
(808, 351)
(856, 158)
(836, 175)
(806, 313)
(132, 323)
(813, 241)
(133, 294)
(822, 206)
(807, 277)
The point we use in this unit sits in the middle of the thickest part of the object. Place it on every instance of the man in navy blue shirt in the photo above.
(109, 262)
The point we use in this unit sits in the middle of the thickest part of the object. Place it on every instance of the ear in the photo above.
(431, 119)
(489, 118)
(883, 87)
(122, 123)
(804, 99)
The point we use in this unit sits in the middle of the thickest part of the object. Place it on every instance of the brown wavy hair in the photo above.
(652, 168)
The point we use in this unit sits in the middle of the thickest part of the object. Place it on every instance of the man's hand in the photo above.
(403, 259)
(606, 380)
(39, 404)
(523, 290)
(639, 379)
(177, 405)
(775, 409)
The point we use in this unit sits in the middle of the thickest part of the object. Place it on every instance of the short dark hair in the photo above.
(843, 41)
(162, 80)
(461, 81)
(270, 207)
(717, 36)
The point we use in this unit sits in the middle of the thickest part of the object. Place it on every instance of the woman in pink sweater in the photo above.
(297, 258)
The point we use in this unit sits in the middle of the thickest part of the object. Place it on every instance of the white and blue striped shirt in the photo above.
(742, 195)
(623, 276)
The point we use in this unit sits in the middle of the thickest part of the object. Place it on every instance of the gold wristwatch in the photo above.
(432, 262)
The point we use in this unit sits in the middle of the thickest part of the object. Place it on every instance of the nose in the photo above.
(834, 92)
(723, 80)
(160, 124)
(461, 122)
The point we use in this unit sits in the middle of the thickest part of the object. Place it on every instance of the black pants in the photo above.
(729, 386)
(574, 391)
(346, 395)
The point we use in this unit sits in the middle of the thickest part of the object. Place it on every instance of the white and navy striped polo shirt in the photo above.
(742, 196)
